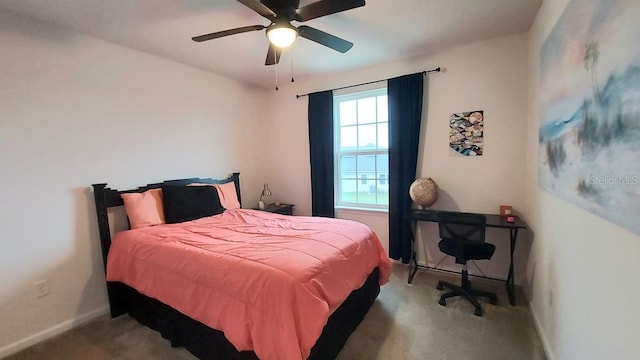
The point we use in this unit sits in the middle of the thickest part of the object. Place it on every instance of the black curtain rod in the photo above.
(372, 82)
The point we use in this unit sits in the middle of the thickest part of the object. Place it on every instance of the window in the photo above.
(361, 149)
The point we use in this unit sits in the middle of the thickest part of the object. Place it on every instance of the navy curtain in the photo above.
(405, 112)
(321, 153)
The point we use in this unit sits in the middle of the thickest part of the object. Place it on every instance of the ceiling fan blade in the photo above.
(324, 38)
(273, 55)
(325, 7)
(220, 34)
(259, 7)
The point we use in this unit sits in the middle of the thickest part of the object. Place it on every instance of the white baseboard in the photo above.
(52, 331)
(541, 334)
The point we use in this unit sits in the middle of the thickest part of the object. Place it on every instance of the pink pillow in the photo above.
(228, 195)
(144, 209)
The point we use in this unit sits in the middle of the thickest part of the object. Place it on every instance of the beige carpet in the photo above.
(405, 323)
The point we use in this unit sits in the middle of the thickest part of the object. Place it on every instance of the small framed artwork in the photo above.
(466, 133)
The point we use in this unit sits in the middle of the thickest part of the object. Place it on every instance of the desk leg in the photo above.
(413, 262)
(513, 234)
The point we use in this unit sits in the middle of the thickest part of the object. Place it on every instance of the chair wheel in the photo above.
(477, 312)
(442, 302)
(493, 301)
(439, 286)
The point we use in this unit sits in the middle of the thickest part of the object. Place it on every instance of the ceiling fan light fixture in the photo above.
(282, 35)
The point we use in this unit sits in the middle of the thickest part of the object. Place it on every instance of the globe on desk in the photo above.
(424, 192)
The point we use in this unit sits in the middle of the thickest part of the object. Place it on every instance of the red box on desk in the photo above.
(506, 210)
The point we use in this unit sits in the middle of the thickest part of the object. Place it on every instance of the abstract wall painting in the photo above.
(589, 137)
(466, 131)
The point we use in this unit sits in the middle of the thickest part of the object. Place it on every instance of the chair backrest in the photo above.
(462, 227)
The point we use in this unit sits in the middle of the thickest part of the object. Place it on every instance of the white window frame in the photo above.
(379, 90)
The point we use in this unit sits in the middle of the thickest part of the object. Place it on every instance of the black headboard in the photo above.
(106, 197)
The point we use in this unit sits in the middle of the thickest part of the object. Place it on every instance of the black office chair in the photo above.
(462, 236)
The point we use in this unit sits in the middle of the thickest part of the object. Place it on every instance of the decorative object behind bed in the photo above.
(202, 341)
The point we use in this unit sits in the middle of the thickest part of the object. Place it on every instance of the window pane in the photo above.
(367, 193)
(367, 137)
(383, 112)
(367, 110)
(367, 164)
(348, 138)
(348, 112)
(349, 191)
(382, 163)
(367, 170)
(383, 136)
(348, 167)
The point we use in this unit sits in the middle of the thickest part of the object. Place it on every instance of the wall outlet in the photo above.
(42, 288)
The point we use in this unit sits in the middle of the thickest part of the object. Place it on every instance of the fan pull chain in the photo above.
(275, 56)
(292, 79)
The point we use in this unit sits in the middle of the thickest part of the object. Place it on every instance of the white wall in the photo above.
(74, 111)
(583, 268)
(489, 76)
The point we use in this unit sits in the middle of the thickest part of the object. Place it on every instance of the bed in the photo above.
(314, 319)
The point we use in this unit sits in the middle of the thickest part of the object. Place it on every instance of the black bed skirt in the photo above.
(210, 344)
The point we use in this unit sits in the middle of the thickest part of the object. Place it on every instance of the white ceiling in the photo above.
(382, 31)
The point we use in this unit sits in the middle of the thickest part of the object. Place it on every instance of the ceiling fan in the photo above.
(281, 33)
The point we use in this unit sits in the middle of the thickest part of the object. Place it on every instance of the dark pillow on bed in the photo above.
(184, 203)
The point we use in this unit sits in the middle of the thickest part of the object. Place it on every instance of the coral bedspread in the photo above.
(268, 281)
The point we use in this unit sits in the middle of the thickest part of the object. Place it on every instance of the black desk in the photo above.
(493, 221)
